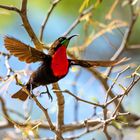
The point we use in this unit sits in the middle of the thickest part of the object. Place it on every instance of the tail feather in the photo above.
(21, 95)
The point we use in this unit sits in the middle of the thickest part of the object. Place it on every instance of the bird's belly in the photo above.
(44, 76)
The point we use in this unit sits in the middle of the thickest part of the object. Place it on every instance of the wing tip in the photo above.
(7, 37)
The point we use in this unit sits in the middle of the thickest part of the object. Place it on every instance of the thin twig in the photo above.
(126, 93)
(79, 99)
(115, 80)
(45, 111)
(113, 99)
(17, 113)
(53, 5)
(115, 24)
(76, 104)
(108, 137)
(78, 20)
(111, 10)
(26, 24)
(125, 39)
(4, 110)
(104, 83)
(10, 8)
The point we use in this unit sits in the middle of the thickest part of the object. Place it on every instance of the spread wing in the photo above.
(23, 51)
(88, 63)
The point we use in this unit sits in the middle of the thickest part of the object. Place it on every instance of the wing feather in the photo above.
(88, 63)
(22, 51)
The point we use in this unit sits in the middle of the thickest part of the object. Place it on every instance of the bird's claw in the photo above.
(49, 95)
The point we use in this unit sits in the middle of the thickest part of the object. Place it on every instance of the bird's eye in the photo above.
(61, 39)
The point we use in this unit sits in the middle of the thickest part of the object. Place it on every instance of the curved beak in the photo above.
(72, 36)
(68, 40)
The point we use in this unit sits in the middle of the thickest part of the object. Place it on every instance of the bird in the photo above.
(54, 65)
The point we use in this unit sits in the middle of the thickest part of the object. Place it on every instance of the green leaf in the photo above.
(122, 119)
(122, 87)
(84, 5)
(116, 125)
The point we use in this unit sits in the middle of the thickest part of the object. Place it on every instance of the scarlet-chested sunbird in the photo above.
(54, 65)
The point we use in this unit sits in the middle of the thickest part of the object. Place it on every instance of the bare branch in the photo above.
(17, 113)
(108, 137)
(60, 104)
(4, 110)
(78, 20)
(113, 99)
(134, 81)
(75, 90)
(79, 99)
(11, 8)
(53, 5)
(111, 10)
(26, 24)
(87, 125)
(28, 27)
(125, 39)
(45, 111)
(115, 80)
(105, 85)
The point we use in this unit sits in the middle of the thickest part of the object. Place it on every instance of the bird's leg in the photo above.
(49, 95)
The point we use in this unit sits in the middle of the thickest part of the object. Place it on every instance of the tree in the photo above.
(113, 114)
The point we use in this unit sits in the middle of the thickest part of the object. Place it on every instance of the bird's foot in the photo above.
(48, 93)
